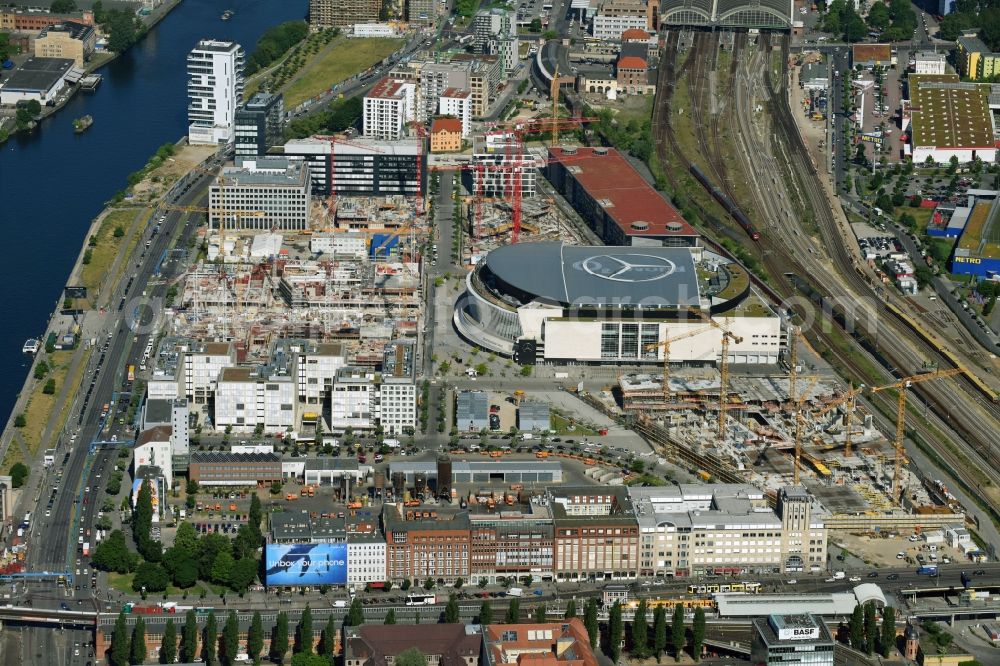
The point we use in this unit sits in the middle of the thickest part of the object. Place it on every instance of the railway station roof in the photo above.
(947, 113)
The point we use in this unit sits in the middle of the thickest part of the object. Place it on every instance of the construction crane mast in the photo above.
(849, 402)
(901, 386)
(665, 344)
(797, 406)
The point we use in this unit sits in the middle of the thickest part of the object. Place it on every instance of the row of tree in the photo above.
(205, 643)
(274, 43)
(864, 633)
(974, 14)
(895, 20)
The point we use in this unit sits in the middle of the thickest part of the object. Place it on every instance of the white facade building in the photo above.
(245, 399)
(398, 392)
(437, 77)
(365, 559)
(215, 90)
(202, 363)
(340, 245)
(458, 103)
(352, 399)
(262, 193)
(929, 62)
(494, 151)
(610, 28)
(316, 366)
(153, 448)
(388, 107)
(374, 30)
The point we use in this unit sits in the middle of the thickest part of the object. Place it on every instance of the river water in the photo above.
(54, 182)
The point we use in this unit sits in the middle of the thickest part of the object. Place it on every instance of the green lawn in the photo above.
(339, 63)
(123, 583)
(562, 427)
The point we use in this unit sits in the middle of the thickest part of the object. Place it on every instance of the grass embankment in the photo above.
(338, 63)
(103, 247)
(562, 427)
(41, 404)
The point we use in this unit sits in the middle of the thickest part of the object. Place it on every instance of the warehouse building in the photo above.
(947, 118)
(557, 303)
(495, 471)
(977, 252)
(472, 410)
(220, 468)
(615, 200)
(68, 39)
(262, 193)
(39, 79)
(533, 416)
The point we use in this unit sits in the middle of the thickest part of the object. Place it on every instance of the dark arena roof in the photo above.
(774, 14)
(571, 275)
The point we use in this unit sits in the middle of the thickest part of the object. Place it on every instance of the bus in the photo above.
(928, 570)
(420, 600)
(131, 374)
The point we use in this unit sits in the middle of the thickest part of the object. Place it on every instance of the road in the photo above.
(125, 334)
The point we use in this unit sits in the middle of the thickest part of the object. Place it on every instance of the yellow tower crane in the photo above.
(727, 337)
(901, 386)
(666, 355)
(849, 402)
(797, 406)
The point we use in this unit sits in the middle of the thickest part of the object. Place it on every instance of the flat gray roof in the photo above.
(38, 74)
(835, 604)
(655, 277)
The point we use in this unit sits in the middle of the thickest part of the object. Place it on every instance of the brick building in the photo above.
(220, 468)
(596, 534)
(515, 541)
(421, 545)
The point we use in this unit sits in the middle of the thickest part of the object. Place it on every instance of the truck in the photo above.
(131, 374)
(392, 443)
(86, 549)
(928, 570)
(838, 575)
(515, 592)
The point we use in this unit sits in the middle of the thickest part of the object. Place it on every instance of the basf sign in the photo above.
(306, 564)
(798, 633)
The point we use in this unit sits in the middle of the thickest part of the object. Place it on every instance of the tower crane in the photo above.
(331, 166)
(901, 386)
(666, 355)
(797, 406)
(849, 402)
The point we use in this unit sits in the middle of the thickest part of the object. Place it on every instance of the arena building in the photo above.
(772, 14)
(558, 303)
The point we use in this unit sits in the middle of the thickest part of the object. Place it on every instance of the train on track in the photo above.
(727, 203)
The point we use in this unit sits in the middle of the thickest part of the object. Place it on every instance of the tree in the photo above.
(189, 637)
(541, 614)
(62, 6)
(137, 648)
(50, 387)
(210, 642)
(279, 638)
(405, 585)
(230, 639)
(888, 638)
(535, 26)
(615, 629)
(222, 567)
(698, 633)
(185, 571)
(451, 612)
(41, 369)
(411, 657)
(640, 631)
(255, 515)
(113, 554)
(871, 628)
(590, 622)
(151, 577)
(659, 631)
(429, 583)
(121, 28)
(18, 474)
(677, 637)
(186, 539)
(570, 609)
(255, 637)
(243, 574)
(513, 612)
(390, 617)
(485, 613)
(304, 632)
(168, 644)
(329, 639)
(856, 629)
(355, 615)
(142, 517)
(119, 652)
(878, 16)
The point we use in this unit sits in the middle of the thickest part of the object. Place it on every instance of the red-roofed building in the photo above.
(446, 135)
(615, 200)
(632, 75)
(563, 643)
(635, 35)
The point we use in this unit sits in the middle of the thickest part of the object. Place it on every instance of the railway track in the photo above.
(779, 260)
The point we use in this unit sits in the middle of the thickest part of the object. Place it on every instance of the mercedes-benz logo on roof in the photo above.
(628, 267)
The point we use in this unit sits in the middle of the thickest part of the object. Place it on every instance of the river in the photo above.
(54, 182)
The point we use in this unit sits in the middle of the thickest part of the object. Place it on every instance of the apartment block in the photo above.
(388, 108)
(316, 365)
(249, 397)
(68, 39)
(325, 14)
(366, 549)
(446, 135)
(262, 193)
(517, 541)
(397, 409)
(500, 153)
(457, 102)
(421, 12)
(437, 77)
(363, 168)
(215, 90)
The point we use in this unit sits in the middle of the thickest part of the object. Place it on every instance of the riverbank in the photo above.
(97, 61)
